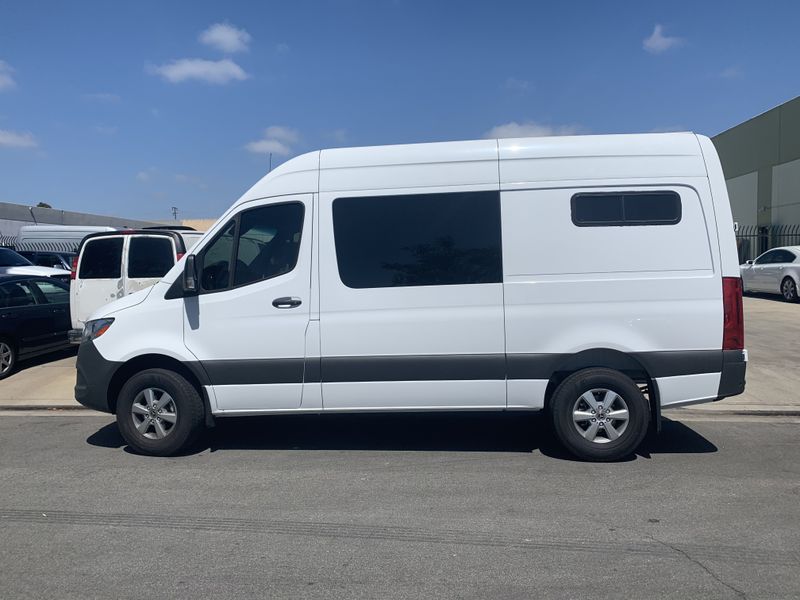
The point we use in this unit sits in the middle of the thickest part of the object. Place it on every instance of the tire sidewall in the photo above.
(579, 383)
(13, 365)
(189, 407)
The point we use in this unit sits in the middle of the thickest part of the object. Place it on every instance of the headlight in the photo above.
(94, 329)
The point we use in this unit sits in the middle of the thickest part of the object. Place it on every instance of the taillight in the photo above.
(73, 272)
(733, 325)
(179, 255)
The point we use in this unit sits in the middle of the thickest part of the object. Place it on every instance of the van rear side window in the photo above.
(418, 239)
(102, 259)
(150, 256)
(633, 208)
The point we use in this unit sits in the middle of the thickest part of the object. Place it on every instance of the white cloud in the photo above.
(530, 129)
(277, 140)
(102, 97)
(282, 48)
(147, 175)
(13, 139)
(517, 85)
(105, 129)
(6, 77)
(731, 73)
(657, 42)
(218, 72)
(226, 37)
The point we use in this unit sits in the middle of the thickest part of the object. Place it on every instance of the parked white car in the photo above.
(12, 263)
(595, 278)
(777, 271)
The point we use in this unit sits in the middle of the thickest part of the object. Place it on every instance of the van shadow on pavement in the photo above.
(409, 432)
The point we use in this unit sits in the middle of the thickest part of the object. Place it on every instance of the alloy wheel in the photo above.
(154, 413)
(789, 289)
(600, 416)
(6, 358)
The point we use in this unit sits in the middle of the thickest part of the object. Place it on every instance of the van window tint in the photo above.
(102, 259)
(150, 256)
(215, 272)
(618, 209)
(419, 239)
(268, 242)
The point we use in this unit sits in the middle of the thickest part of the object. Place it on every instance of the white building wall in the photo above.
(743, 194)
(786, 193)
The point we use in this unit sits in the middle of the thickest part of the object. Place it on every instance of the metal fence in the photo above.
(752, 240)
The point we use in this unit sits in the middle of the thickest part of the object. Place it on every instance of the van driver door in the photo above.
(247, 326)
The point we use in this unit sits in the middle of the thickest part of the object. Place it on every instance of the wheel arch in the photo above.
(607, 358)
(194, 374)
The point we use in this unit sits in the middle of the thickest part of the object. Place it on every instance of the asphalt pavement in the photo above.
(397, 506)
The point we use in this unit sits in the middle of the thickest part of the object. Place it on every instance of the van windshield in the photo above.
(9, 258)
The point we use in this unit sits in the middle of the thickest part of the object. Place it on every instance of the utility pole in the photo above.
(175, 212)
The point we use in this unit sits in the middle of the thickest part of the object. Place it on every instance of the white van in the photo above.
(113, 264)
(595, 278)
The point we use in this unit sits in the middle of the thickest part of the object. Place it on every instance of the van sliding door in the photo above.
(411, 306)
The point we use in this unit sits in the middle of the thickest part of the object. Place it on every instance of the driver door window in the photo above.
(265, 242)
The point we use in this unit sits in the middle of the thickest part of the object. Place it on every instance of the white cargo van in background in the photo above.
(595, 278)
(113, 264)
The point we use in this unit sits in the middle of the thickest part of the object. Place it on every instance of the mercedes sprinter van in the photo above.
(592, 277)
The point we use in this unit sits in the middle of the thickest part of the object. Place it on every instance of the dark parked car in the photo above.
(34, 318)
(55, 260)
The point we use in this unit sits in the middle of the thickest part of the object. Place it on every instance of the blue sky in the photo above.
(129, 108)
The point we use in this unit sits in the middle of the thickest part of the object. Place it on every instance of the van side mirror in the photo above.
(749, 262)
(190, 276)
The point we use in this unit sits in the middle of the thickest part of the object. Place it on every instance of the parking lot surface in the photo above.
(431, 506)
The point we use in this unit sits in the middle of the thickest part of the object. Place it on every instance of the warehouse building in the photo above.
(14, 216)
(761, 161)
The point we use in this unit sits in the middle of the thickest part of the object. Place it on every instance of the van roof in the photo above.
(542, 158)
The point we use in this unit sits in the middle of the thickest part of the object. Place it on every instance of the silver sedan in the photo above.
(774, 272)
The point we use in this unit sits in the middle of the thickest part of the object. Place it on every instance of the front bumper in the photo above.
(94, 377)
(732, 378)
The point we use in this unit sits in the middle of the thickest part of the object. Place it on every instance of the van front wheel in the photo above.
(600, 414)
(159, 412)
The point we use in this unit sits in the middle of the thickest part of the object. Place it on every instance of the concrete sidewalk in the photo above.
(772, 337)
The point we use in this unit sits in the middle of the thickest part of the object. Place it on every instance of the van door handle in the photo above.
(287, 302)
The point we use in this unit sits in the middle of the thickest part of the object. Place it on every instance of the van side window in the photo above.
(268, 242)
(418, 239)
(102, 259)
(625, 209)
(216, 262)
(150, 256)
(265, 242)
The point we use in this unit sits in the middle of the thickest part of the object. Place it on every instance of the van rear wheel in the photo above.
(159, 412)
(600, 414)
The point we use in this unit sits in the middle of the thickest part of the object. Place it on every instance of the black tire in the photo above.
(189, 413)
(789, 289)
(8, 348)
(568, 396)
